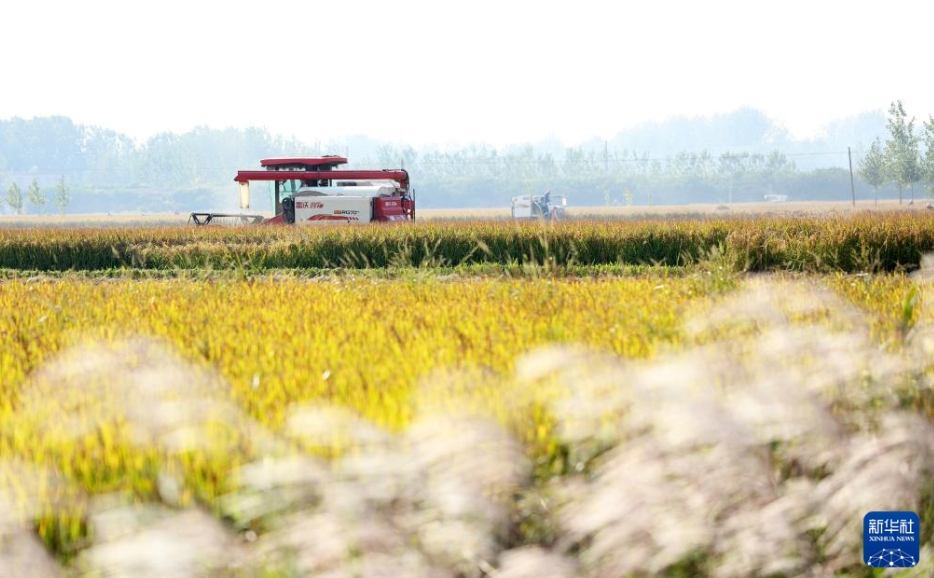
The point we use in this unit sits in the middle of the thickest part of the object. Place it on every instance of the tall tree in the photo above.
(731, 168)
(62, 195)
(901, 150)
(927, 161)
(14, 198)
(872, 167)
(36, 196)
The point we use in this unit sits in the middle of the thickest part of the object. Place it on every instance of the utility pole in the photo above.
(849, 156)
(606, 157)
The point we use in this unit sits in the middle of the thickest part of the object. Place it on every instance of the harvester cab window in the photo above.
(290, 186)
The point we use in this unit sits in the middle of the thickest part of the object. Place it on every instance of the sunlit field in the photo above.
(724, 396)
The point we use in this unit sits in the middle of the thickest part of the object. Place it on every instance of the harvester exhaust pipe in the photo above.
(245, 195)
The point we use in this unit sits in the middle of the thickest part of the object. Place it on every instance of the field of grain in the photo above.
(724, 396)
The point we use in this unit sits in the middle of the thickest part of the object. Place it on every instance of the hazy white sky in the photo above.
(454, 72)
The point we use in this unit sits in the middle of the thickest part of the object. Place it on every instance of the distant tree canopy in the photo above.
(901, 150)
(36, 195)
(736, 157)
(872, 167)
(62, 195)
(927, 162)
(14, 198)
(901, 160)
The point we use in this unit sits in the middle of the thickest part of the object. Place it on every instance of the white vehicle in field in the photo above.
(547, 206)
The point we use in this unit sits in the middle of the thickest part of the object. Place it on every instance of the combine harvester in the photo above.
(547, 206)
(312, 191)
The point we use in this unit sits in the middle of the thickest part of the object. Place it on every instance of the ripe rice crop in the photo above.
(457, 426)
(850, 243)
(279, 402)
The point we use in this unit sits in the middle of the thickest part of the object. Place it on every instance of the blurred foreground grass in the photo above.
(693, 423)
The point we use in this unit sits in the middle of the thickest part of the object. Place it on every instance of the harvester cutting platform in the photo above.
(312, 190)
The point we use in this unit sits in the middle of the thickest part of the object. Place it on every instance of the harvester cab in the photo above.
(310, 190)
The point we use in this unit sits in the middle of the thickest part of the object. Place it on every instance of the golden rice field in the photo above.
(473, 399)
(848, 243)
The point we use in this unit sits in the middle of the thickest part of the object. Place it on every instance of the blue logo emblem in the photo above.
(891, 539)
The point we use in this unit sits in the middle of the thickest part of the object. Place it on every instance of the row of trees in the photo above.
(37, 197)
(91, 156)
(600, 177)
(900, 160)
(527, 163)
(745, 158)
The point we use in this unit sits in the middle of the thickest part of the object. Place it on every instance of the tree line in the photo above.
(899, 160)
(79, 168)
(91, 169)
(479, 176)
(37, 197)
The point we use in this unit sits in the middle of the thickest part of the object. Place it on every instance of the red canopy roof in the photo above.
(398, 175)
(304, 161)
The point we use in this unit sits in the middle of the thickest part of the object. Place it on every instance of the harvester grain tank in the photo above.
(312, 190)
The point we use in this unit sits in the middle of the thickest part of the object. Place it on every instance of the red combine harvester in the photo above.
(312, 190)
